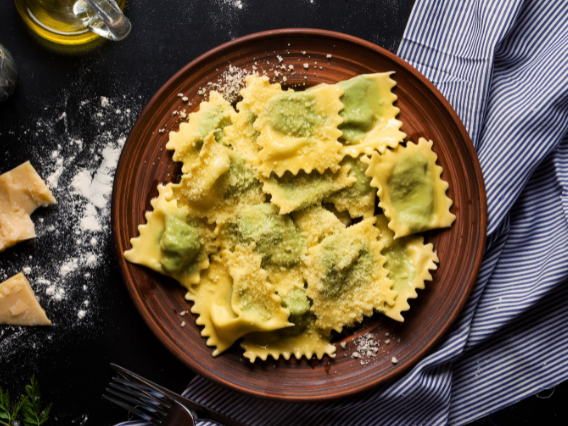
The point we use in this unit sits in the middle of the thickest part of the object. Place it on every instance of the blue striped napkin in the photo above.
(503, 65)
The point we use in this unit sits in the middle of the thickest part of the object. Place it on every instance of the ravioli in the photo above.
(218, 300)
(285, 278)
(369, 116)
(211, 163)
(302, 339)
(357, 199)
(295, 192)
(213, 116)
(346, 279)
(411, 191)
(297, 130)
(242, 137)
(253, 295)
(233, 190)
(275, 237)
(409, 262)
(272, 227)
(172, 242)
(308, 343)
(317, 223)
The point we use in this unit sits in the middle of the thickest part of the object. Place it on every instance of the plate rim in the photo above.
(424, 351)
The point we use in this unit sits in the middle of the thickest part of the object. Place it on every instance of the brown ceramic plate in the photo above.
(425, 113)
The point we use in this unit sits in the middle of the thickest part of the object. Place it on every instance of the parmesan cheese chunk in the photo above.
(18, 304)
(21, 191)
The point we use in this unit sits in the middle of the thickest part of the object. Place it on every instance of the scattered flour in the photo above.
(91, 260)
(234, 3)
(53, 179)
(90, 220)
(69, 267)
(66, 264)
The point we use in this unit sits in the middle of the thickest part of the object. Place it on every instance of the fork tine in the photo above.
(138, 403)
(145, 396)
(134, 410)
(143, 388)
(139, 399)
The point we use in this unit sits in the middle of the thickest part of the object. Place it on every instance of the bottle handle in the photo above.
(103, 17)
(8, 74)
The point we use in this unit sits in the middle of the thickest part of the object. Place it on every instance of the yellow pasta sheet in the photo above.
(295, 192)
(234, 299)
(254, 297)
(212, 162)
(298, 130)
(275, 237)
(213, 116)
(359, 198)
(346, 279)
(371, 124)
(233, 190)
(153, 249)
(317, 223)
(242, 136)
(409, 262)
(285, 279)
(308, 343)
(411, 191)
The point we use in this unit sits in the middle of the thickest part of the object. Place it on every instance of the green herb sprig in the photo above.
(8, 412)
(28, 407)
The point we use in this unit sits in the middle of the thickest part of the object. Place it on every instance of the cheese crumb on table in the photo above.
(394, 360)
(19, 305)
(22, 191)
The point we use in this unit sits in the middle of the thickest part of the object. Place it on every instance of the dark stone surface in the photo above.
(73, 366)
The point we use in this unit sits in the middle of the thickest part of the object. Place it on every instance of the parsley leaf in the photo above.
(31, 406)
(8, 412)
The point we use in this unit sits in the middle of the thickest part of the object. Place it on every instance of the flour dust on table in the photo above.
(73, 235)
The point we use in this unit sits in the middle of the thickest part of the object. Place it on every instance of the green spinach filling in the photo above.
(347, 262)
(412, 192)
(179, 243)
(276, 237)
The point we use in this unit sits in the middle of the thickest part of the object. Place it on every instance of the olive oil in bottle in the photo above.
(54, 21)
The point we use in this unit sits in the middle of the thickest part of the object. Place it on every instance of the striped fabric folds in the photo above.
(503, 65)
(136, 423)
